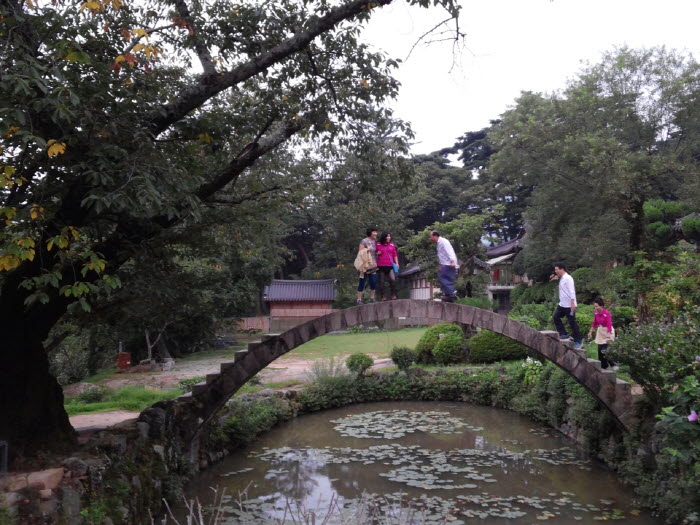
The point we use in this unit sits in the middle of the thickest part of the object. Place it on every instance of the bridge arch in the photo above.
(208, 397)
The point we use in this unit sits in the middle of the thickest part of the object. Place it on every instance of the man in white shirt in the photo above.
(567, 305)
(447, 272)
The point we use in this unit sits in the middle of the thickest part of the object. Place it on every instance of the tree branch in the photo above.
(230, 200)
(250, 153)
(201, 49)
(211, 84)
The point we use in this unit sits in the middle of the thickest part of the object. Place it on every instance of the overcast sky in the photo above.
(513, 46)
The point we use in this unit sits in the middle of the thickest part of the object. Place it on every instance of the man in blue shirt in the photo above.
(447, 272)
(567, 305)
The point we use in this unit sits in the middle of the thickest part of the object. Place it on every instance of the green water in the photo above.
(416, 462)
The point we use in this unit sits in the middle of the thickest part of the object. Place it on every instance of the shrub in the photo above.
(587, 284)
(541, 312)
(449, 349)
(359, 363)
(488, 347)
(658, 355)
(93, 395)
(325, 368)
(248, 418)
(623, 316)
(478, 302)
(584, 317)
(424, 348)
(532, 371)
(528, 320)
(403, 357)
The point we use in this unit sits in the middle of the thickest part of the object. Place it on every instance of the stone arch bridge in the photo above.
(193, 410)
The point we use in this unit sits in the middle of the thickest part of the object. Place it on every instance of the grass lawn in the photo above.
(375, 343)
(133, 398)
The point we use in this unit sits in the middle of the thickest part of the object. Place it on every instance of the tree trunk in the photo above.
(32, 417)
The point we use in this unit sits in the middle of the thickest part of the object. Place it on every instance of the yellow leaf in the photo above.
(364, 83)
(9, 171)
(55, 147)
(116, 4)
(30, 4)
(141, 33)
(138, 47)
(120, 58)
(10, 131)
(92, 6)
(74, 232)
(36, 211)
(204, 137)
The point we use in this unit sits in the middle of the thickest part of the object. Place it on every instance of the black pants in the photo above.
(601, 356)
(571, 316)
(387, 273)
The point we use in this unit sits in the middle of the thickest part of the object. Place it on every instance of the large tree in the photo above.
(123, 120)
(618, 136)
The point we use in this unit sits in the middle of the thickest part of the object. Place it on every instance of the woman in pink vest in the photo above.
(387, 264)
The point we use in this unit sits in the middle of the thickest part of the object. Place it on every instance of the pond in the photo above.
(415, 462)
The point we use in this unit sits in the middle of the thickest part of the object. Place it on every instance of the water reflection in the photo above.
(460, 463)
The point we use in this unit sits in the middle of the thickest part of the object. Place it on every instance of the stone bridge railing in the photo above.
(198, 407)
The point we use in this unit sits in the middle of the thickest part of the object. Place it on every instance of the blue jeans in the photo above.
(447, 275)
(372, 278)
(571, 316)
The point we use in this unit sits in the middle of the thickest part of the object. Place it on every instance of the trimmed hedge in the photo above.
(358, 363)
(489, 347)
(403, 357)
(449, 349)
(424, 348)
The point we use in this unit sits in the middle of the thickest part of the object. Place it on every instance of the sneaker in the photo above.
(359, 302)
(383, 299)
(393, 298)
(564, 338)
(615, 368)
(578, 346)
(372, 300)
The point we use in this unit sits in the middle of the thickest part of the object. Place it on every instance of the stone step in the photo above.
(595, 363)
(254, 344)
(228, 364)
(267, 337)
(622, 386)
(211, 378)
(609, 374)
(239, 354)
(550, 333)
(581, 353)
(185, 397)
(199, 388)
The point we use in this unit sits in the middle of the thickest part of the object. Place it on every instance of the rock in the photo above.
(143, 429)
(10, 499)
(136, 482)
(168, 364)
(14, 482)
(155, 417)
(49, 479)
(76, 466)
(70, 503)
(160, 450)
(49, 507)
(45, 494)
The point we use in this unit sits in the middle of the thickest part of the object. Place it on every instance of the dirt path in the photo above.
(285, 369)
